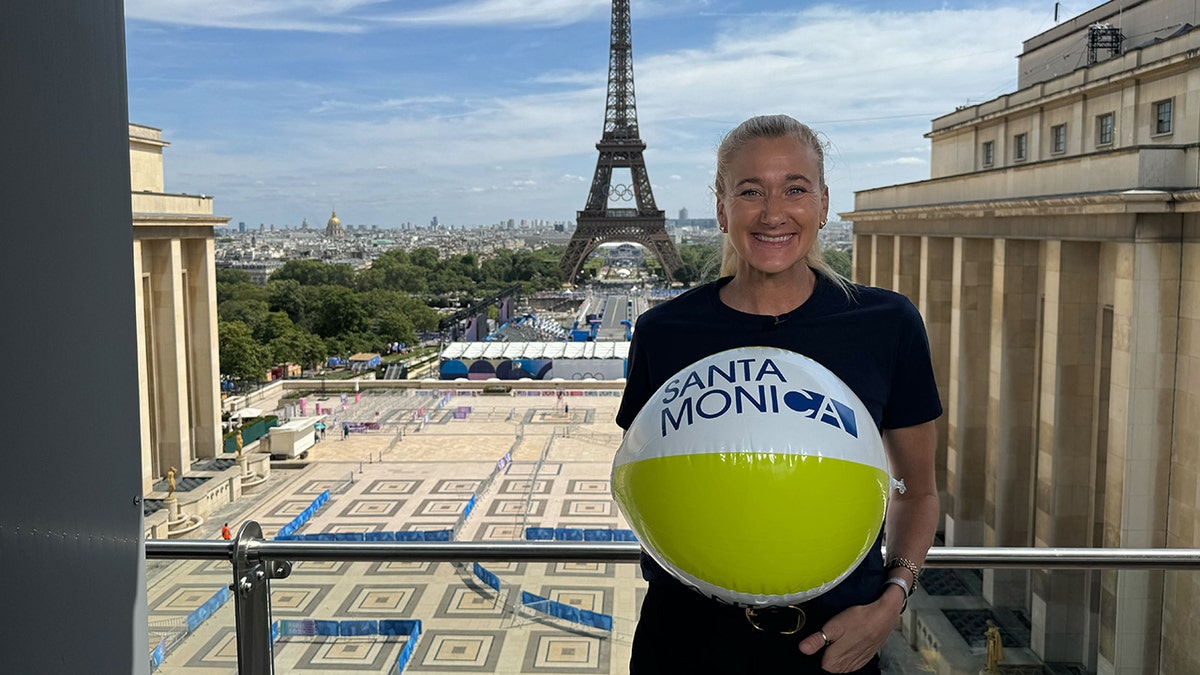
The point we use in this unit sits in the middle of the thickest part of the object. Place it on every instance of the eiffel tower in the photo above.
(620, 148)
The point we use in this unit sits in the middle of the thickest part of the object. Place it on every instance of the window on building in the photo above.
(1104, 128)
(1019, 147)
(1058, 138)
(989, 153)
(1162, 116)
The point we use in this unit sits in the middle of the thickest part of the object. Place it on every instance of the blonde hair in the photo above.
(772, 126)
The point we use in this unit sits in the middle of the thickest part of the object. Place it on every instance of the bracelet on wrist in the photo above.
(903, 585)
(908, 565)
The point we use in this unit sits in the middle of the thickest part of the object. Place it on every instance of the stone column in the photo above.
(863, 258)
(1065, 445)
(934, 301)
(1010, 449)
(149, 468)
(1180, 649)
(205, 352)
(1139, 462)
(882, 266)
(906, 267)
(170, 350)
(970, 331)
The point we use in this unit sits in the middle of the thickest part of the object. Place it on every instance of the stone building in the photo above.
(1055, 256)
(176, 315)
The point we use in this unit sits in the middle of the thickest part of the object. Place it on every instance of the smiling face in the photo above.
(772, 203)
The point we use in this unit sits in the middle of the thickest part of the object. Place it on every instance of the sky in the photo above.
(477, 111)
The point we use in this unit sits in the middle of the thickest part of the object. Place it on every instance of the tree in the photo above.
(839, 261)
(241, 357)
(297, 346)
(250, 313)
(338, 311)
(227, 275)
(315, 273)
(701, 263)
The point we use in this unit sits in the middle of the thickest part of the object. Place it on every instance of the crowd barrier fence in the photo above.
(402, 535)
(565, 612)
(193, 621)
(353, 628)
(304, 516)
(577, 534)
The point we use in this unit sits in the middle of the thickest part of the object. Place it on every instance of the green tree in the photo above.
(226, 275)
(297, 346)
(250, 313)
(840, 262)
(701, 263)
(425, 257)
(241, 357)
(287, 295)
(338, 311)
(315, 273)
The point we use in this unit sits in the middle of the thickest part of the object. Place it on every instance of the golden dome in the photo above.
(333, 219)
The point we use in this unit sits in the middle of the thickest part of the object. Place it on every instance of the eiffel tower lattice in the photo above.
(620, 148)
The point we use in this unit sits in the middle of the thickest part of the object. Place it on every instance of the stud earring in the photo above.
(822, 225)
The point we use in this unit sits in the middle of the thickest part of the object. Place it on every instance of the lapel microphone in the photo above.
(773, 322)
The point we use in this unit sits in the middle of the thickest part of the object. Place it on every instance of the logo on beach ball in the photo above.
(755, 476)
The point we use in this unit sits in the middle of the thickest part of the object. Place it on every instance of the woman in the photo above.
(777, 292)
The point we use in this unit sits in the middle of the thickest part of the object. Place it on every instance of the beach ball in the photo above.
(754, 476)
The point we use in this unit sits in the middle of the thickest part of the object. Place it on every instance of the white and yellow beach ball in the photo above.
(755, 476)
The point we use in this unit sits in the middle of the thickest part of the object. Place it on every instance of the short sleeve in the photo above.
(637, 382)
(912, 396)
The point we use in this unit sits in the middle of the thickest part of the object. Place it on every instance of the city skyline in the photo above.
(477, 111)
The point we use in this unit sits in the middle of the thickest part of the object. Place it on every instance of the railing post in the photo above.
(252, 602)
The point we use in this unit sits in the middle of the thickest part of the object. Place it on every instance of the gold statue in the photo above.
(170, 482)
(238, 441)
(995, 647)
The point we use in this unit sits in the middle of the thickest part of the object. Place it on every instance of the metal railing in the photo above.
(256, 561)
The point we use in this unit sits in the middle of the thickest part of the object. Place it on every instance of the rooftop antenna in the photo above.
(1056, 11)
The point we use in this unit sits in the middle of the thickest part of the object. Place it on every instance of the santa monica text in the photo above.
(698, 397)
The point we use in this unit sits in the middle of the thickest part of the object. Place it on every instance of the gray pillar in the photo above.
(70, 510)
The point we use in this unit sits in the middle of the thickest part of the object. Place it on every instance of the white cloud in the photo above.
(321, 16)
(870, 81)
(516, 12)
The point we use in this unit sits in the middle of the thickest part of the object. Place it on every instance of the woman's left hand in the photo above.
(855, 635)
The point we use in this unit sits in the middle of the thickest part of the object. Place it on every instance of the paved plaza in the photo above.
(399, 478)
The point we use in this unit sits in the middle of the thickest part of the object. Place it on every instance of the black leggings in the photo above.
(681, 631)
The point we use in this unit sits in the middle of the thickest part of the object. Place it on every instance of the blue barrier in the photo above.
(274, 632)
(159, 654)
(297, 627)
(409, 647)
(577, 534)
(486, 577)
(304, 516)
(323, 627)
(201, 613)
(596, 620)
(406, 535)
(469, 507)
(566, 612)
(399, 626)
(359, 627)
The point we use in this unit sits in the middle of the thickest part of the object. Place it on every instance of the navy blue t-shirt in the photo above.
(874, 341)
